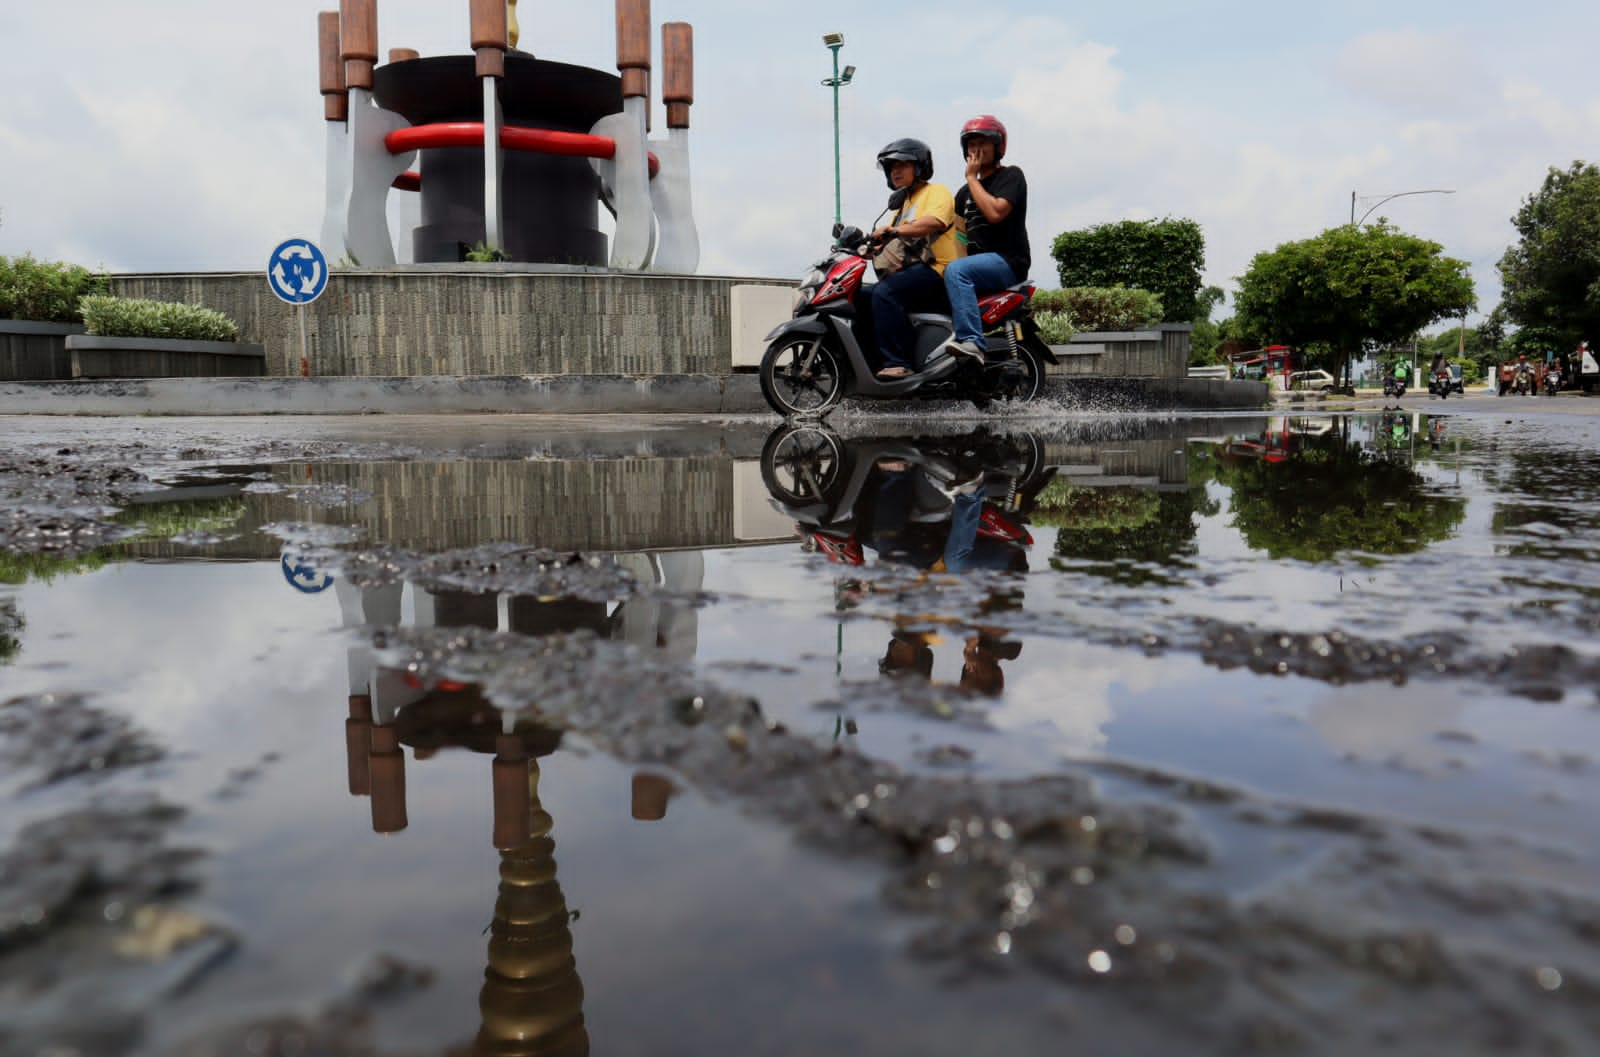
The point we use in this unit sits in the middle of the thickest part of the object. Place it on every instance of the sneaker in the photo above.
(970, 349)
(969, 486)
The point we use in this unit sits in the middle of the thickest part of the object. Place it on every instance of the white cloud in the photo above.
(178, 141)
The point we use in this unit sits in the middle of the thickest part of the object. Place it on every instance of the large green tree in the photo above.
(1351, 287)
(1162, 256)
(1551, 275)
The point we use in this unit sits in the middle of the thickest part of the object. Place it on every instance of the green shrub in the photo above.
(1054, 327)
(1115, 509)
(1097, 308)
(45, 291)
(126, 317)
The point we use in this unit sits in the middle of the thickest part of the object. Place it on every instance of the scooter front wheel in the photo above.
(801, 377)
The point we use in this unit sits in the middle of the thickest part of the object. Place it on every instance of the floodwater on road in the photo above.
(1112, 735)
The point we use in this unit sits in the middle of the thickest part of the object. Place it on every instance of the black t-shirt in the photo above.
(1009, 238)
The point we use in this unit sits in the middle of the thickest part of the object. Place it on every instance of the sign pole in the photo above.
(297, 272)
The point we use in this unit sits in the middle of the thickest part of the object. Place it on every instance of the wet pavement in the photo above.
(501, 735)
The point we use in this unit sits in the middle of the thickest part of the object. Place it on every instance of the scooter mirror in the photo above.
(838, 229)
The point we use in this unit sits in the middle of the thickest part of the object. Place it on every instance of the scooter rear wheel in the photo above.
(1020, 387)
(801, 377)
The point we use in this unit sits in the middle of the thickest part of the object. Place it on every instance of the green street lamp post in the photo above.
(835, 41)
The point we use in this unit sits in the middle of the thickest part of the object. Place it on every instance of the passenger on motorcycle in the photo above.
(992, 222)
(926, 211)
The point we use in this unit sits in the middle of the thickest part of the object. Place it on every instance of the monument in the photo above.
(511, 156)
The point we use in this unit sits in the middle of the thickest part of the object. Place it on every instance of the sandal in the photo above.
(891, 373)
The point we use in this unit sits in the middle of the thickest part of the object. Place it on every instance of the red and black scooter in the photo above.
(814, 360)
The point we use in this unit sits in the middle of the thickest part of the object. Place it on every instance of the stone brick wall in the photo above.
(1159, 353)
(477, 320)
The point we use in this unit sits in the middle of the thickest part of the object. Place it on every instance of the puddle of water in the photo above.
(1275, 730)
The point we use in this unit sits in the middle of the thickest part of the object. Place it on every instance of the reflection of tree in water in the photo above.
(1324, 500)
(1116, 529)
(153, 521)
(11, 625)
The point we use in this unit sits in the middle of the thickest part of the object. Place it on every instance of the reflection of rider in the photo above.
(981, 657)
(907, 509)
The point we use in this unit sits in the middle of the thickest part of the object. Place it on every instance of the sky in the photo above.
(163, 136)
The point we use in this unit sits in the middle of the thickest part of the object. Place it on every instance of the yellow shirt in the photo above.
(934, 200)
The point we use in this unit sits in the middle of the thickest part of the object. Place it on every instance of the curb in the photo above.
(566, 394)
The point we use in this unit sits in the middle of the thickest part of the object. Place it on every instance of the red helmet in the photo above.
(989, 127)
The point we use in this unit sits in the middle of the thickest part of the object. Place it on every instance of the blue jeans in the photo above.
(914, 289)
(965, 278)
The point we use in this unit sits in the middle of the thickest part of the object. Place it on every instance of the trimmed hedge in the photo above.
(126, 317)
(1097, 308)
(45, 291)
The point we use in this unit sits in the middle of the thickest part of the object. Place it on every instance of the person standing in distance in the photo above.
(992, 221)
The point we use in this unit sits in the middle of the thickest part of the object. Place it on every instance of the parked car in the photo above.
(1318, 380)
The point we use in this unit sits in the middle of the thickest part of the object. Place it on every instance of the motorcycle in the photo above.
(1552, 380)
(1444, 382)
(1395, 387)
(814, 360)
(904, 496)
(1522, 381)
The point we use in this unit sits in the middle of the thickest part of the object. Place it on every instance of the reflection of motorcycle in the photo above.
(948, 503)
(814, 360)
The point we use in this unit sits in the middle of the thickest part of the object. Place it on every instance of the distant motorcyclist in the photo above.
(1524, 375)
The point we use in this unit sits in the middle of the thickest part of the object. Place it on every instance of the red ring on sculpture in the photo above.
(536, 140)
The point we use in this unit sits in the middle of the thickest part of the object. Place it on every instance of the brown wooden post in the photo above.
(633, 46)
(513, 806)
(490, 34)
(357, 743)
(388, 770)
(358, 34)
(403, 54)
(335, 101)
(677, 72)
(650, 795)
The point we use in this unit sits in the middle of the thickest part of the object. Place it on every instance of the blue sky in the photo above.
(170, 141)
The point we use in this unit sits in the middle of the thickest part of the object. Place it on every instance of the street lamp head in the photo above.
(849, 72)
(833, 40)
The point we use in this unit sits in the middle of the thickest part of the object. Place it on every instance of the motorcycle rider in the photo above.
(992, 222)
(925, 211)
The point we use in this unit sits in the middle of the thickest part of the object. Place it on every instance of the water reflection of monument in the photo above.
(531, 1002)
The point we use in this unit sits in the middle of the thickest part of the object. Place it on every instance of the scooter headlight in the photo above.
(808, 287)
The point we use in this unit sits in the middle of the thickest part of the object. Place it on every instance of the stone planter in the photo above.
(1162, 352)
(35, 352)
(93, 356)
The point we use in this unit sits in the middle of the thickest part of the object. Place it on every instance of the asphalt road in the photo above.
(1473, 401)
